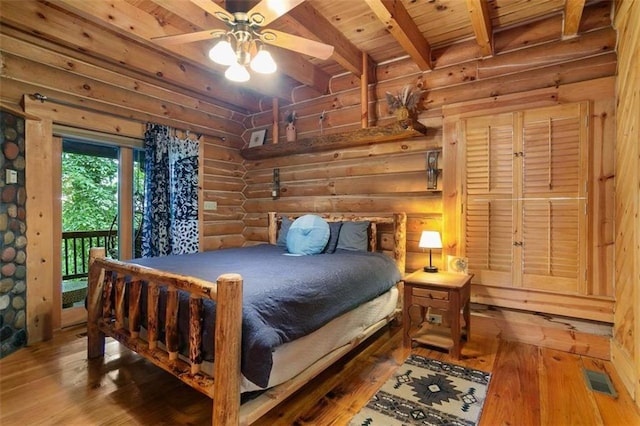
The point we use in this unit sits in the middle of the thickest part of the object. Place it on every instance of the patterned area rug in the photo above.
(425, 391)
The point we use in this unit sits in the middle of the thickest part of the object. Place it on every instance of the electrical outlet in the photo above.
(11, 176)
(434, 319)
(211, 205)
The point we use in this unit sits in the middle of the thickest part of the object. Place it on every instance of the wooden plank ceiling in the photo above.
(119, 33)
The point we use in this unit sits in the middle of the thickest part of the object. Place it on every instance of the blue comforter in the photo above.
(284, 297)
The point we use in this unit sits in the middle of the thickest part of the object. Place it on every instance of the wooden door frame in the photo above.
(44, 305)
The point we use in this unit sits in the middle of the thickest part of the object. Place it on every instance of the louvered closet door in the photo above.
(553, 198)
(488, 214)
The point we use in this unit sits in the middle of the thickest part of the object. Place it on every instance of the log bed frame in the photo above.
(107, 320)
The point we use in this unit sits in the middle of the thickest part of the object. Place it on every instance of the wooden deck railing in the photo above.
(75, 250)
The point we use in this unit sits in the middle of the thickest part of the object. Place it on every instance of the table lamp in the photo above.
(430, 240)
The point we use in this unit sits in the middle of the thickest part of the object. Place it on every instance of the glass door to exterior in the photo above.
(101, 199)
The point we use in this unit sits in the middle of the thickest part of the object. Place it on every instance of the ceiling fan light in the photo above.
(237, 73)
(263, 62)
(222, 53)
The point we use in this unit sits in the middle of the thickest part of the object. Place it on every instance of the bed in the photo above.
(185, 313)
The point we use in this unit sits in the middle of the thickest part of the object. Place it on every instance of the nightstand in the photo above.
(443, 291)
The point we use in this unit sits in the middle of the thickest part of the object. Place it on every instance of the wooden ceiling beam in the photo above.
(306, 73)
(481, 23)
(402, 27)
(309, 23)
(572, 15)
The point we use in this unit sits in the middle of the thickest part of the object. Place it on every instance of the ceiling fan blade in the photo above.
(188, 37)
(267, 11)
(214, 9)
(297, 44)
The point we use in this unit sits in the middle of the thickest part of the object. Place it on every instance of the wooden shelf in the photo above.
(335, 141)
(434, 336)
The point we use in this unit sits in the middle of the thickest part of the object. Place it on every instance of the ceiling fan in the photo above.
(247, 36)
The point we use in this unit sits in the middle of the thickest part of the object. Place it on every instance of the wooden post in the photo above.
(106, 296)
(273, 228)
(119, 306)
(400, 243)
(134, 308)
(95, 337)
(195, 333)
(228, 339)
(153, 294)
(364, 92)
(373, 237)
(171, 323)
(275, 117)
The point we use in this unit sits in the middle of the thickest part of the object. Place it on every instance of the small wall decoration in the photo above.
(405, 104)
(257, 138)
(290, 128)
(432, 169)
(457, 265)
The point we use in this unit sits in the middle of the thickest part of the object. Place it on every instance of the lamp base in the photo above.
(430, 269)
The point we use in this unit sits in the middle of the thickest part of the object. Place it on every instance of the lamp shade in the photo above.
(237, 72)
(430, 239)
(263, 62)
(222, 53)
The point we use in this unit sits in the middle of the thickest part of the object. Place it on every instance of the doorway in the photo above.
(100, 206)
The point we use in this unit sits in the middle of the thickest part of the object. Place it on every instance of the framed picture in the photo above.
(257, 138)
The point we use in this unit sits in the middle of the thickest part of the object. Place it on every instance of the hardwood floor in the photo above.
(53, 383)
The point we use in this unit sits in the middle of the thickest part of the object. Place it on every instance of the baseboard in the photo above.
(582, 337)
(624, 367)
(567, 305)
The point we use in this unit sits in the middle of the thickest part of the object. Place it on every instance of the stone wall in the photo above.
(13, 254)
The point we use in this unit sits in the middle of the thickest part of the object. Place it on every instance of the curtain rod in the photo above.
(42, 98)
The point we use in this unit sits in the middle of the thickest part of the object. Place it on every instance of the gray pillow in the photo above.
(354, 236)
(334, 228)
(285, 224)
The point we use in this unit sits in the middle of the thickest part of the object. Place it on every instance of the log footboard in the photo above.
(107, 277)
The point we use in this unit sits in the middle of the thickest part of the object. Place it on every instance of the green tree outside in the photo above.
(90, 192)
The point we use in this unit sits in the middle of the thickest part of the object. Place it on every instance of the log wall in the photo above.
(625, 347)
(596, 300)
(526, 58)
(220, 176)
(391, 176)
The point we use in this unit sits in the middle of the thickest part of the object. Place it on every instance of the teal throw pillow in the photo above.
(308, 234)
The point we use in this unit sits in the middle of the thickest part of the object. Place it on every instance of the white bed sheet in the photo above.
(291, 358)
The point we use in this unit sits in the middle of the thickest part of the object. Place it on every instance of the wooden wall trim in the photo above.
(78, 117)
(40, 230)
(581, 337)
(587, 307)
(624, 365)
(626, 345)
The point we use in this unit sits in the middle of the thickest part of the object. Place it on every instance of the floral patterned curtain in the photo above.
(170, 223)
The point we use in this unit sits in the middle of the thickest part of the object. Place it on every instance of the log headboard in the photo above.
(387, 234)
